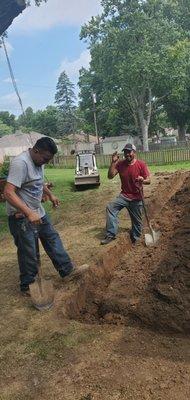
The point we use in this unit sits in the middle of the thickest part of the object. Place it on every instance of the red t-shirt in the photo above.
(128, 174)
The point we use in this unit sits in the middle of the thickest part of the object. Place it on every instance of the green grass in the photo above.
(170, 167)
(63, 180)
(55, 345)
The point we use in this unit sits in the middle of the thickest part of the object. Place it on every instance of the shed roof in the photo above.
(20, 139)
(9, 9)
(82, 137)
(12, 145)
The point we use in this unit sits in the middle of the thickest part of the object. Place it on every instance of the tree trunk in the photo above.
(144, 130)
(181, 132)
(142, 111)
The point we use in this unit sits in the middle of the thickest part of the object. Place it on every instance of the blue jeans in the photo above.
(134, 208)
(25, 235)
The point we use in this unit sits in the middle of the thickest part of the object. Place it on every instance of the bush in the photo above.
(4, 169)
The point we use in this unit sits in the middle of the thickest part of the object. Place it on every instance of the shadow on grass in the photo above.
(82, 188)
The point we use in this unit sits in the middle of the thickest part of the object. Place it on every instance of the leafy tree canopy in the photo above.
(8, 119)
(65, 99)
(136, 49)
(37, 2)
(5, 129)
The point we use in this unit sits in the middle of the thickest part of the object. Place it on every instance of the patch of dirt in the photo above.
(96, 343)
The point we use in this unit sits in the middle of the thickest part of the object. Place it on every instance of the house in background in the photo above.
(117, 143)
(12, 145)
(77, 142)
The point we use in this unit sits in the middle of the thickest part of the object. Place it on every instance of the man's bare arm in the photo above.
(55, 201)
(143, 181)
(112, 169)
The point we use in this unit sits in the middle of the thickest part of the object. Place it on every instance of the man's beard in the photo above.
(129, 159)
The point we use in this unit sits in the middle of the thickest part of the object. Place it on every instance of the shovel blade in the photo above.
(42, 294)
(152, 238)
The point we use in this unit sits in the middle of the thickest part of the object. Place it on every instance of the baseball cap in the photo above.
(129, 147)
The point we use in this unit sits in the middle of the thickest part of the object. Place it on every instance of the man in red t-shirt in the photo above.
(133, 174)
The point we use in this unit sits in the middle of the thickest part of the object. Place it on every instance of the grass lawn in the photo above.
(64, 188)
(170, 167)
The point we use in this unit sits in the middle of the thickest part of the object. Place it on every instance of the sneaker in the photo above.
(107, 239)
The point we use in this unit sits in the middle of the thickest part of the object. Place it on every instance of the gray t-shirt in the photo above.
(28, 178)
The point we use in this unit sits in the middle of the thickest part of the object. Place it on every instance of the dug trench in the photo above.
(127, 284)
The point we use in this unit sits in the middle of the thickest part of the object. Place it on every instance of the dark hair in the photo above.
(46, 143)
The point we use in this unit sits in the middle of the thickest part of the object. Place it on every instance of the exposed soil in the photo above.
(150, 285)
(121, 330)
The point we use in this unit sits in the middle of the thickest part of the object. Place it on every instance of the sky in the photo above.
(42, 42)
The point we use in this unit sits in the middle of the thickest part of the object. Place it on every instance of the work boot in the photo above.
(107, 239)
(77, 272)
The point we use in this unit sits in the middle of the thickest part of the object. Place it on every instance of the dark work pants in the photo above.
(25, 235)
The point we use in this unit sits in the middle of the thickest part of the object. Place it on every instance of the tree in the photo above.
(159, 122)
(5, 129)
(178, 111)
(65, 100)
(37, 2)
(130, 46)
(43, 121)
(8, 119)
(26, 119)
(111, 115)
(65, 96)
(177, 102)
(87, 87)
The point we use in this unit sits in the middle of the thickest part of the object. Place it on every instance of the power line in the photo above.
(15, 85)
(12, 76)
(16, 89)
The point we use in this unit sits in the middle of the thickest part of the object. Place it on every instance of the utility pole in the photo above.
(95, 117)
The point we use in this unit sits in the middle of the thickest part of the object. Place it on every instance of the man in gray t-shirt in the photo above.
(27, 218)
(28, 179)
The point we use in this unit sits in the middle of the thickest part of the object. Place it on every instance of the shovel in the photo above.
(41, 291)
(150, 238)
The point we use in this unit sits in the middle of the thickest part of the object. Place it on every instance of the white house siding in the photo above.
(116, 143)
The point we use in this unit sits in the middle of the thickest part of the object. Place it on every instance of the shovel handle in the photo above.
(38, 255)
(144, 207)
(146, 215)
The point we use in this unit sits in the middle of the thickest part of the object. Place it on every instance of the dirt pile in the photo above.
(150, 285)
(166, 299)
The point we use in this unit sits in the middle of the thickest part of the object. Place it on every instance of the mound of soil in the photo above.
(150, 285)
(165, 301)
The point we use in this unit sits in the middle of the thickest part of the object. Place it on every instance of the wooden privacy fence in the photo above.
(158, 157)
(162, 157)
